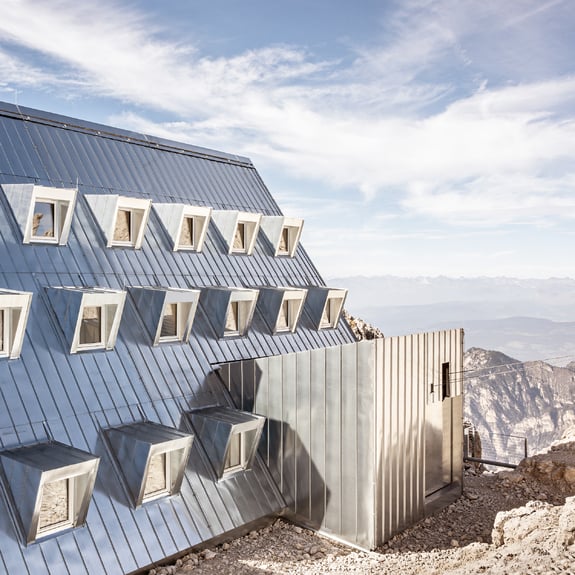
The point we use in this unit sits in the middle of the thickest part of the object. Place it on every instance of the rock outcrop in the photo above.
(361, 329)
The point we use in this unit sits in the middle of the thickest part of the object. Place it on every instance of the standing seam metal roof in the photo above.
(48, 393)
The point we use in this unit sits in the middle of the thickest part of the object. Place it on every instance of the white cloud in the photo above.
(383, 125)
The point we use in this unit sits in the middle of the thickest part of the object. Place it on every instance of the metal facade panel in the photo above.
(48, 392)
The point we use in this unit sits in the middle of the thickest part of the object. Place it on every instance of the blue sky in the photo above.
(416, 137)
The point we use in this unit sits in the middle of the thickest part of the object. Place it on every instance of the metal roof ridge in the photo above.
(105, 131)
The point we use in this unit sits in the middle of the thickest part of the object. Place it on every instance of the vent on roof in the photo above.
(44, 214)
(324, 306)
(283, 233)
(49, 486)
(89, 317)
(281, 307)
(168, 313)
(229, 309)
(122, 219)
(151, 459)
(229, 437)
(14, 310)
(186, 225)
(239, 230)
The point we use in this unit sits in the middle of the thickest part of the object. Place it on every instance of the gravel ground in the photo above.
(455, 540)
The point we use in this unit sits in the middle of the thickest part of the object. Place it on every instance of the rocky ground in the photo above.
(506, 523)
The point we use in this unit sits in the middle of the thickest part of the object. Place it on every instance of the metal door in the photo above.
(438, 439)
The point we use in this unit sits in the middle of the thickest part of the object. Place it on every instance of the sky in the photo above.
(415, 137)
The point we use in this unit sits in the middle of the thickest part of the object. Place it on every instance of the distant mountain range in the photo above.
(528, 319)
(504, 397)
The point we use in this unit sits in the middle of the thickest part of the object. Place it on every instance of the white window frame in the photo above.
(71, 503)
(293, 299)
(167, 477)
(245, 309)
(173, 218)
(60, 198)
(106, 299)
(275, 227)
(138, 210)
(331, 311)
(15, 307)
(103, 328)
(180, 321)
(243, 456)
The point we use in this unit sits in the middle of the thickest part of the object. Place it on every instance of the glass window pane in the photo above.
(156, 481)
(55, 506)
(43, 224)
(170, 321)
(284, 241)
(283, 318)
(91, 327)
(123, 230)
(2, 342)
(187, 233)
(232, 322)
(240, 237)
(326, 316)
(234, 454)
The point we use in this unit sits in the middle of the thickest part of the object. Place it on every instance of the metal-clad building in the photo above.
(71, 282)
(136, 276)
(361, 438)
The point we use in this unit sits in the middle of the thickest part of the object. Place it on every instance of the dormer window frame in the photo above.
(243, 302)
(283, 233)
(292, 303)
(24, 199)
(14, 310)
(231, 223)
(106, 210)
(173, 218)
(63, 201)
(331, 311)
(138, 210)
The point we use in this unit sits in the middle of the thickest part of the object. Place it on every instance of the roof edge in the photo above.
(105, 131)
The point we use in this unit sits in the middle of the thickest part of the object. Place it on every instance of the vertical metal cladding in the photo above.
(346, 436)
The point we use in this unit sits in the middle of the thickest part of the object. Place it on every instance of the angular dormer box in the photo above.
(14, 311)
(229, 309)
(121, 219)
(239, 230)
(283, 234)
(89, 316)
(324, 306)
(43, 214)
(168, 313)
(150, 457)
(186, 225)
(230, 437)
(281, 307)
(49, 487)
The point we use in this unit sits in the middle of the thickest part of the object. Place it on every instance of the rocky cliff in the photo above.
(505, 397)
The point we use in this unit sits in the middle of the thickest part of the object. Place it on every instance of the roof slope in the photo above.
(49, 393)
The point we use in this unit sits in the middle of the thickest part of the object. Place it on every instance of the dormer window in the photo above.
(50, 487)
(283, 234)
(151, 459)
(186, 225)
(14, 309)
(89, 317)
(230, 309)
(44, 214)
(238, 229)
(122, 219)
(281, 307)
(324, 306)
(168, 313)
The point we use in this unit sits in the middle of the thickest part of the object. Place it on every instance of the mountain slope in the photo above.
(506, 397)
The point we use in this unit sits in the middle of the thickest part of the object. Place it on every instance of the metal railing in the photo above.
(494, 449)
